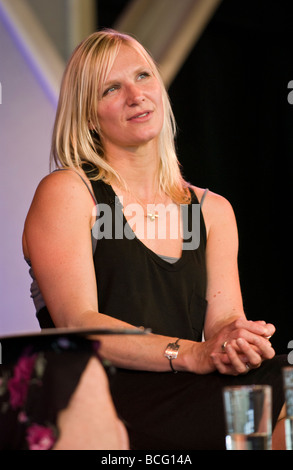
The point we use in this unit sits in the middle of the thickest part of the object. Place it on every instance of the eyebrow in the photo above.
(138, 70)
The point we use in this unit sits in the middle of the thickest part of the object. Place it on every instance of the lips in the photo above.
(140, 116)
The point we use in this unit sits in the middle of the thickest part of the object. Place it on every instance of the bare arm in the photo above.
(57, 239)
(223, 287)
(225, 318)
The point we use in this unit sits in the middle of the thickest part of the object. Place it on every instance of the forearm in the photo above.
(138, 352)
(213, 328)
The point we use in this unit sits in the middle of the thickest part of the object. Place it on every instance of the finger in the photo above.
(270, 330)
(223, 364)
(236, 361)
(234, 344)
(257, 327)
(225, 358)
(261, 345)
(252, 357)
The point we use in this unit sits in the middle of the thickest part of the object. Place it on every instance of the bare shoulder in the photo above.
(63, 180)
(67, 187)
(62, 204)
(61, 196)
(216, 209)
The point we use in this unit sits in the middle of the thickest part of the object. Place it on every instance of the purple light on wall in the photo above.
(28, 56)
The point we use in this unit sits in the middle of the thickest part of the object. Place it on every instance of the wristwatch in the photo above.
(171, 352)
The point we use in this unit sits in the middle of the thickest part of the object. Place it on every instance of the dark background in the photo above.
(235, 136)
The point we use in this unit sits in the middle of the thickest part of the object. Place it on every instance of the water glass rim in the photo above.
(288, 368)
(252, 387)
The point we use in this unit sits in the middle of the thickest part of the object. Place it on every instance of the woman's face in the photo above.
(130, 107)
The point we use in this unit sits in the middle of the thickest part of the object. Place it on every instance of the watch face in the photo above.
(171, 351)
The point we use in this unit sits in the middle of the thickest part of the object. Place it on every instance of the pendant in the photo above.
(152, 216)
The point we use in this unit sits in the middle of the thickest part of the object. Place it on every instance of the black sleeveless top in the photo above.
(136, 285)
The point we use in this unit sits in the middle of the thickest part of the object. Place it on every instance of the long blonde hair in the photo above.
(75, 142)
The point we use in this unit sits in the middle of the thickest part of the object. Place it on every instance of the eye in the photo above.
(110, 90)
(143, 75)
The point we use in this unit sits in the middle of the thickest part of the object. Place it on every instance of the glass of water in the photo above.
(248, 412)
(288, 389)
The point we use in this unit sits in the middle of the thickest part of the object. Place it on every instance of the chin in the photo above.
(146, 137)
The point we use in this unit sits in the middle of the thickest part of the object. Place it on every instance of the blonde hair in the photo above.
(75, 142)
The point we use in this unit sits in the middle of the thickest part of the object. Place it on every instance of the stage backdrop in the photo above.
(26, 120)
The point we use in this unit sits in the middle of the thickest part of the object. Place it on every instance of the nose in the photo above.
(134, 95)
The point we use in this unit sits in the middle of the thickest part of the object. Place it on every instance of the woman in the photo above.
(114, 134)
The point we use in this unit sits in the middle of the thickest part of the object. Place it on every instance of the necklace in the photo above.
(152, 215)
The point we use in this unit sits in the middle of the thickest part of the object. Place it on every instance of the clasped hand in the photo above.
(240, 346)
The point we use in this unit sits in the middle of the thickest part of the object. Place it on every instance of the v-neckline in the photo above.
(157, 257)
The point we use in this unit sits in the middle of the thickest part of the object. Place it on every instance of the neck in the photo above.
(138, 168)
